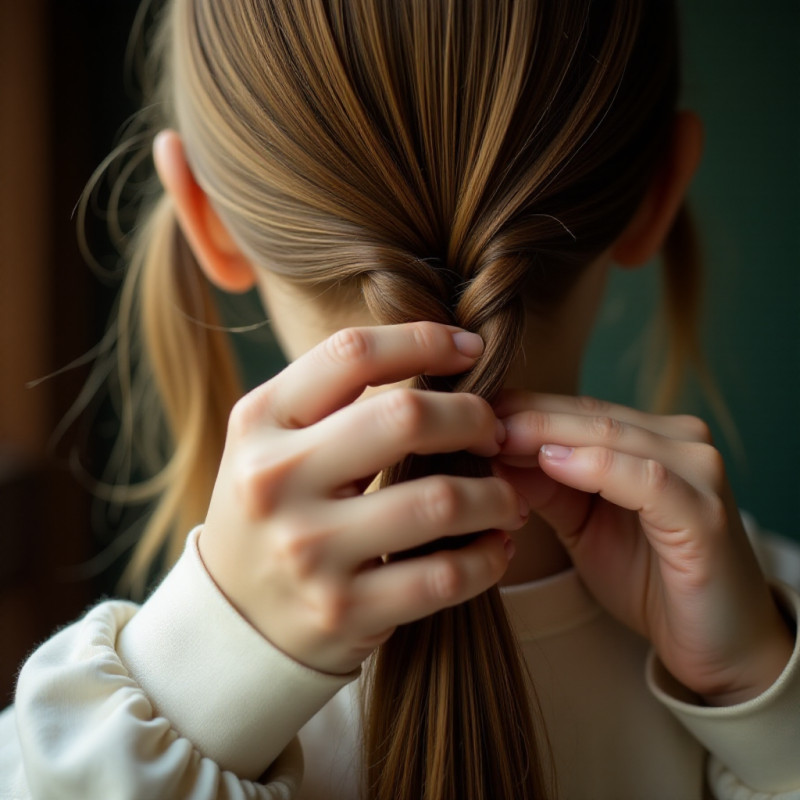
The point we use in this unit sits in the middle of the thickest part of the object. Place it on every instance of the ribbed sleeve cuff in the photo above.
(220, 684)
(758, 741)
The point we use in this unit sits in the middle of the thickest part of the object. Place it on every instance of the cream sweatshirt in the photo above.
(181, 698)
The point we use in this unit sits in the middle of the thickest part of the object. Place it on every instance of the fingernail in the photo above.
(500, 431)
(469, 344)
(556, 452)
(510, 548)
(524, 506)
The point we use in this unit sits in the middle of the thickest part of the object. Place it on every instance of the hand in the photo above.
(643, 506)
(291, 539)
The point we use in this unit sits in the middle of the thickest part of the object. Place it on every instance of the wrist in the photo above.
(765, 665)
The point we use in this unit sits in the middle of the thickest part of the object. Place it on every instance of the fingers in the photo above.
(665, 502)
(521, 405)
(336, 372)
(527, 431)
(407, 515)
(403, 591)
(563, 508)
(389, 426)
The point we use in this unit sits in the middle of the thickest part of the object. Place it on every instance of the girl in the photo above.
(428, 195)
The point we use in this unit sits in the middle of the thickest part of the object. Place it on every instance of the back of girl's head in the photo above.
(433, 159)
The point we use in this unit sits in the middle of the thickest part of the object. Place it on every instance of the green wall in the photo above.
(743, 77)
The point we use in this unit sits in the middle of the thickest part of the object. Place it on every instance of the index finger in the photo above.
(336, 371)
(673, 426)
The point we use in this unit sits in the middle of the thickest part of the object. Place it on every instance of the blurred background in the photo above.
(64, 98)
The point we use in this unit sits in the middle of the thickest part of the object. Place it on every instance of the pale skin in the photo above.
(638, 503)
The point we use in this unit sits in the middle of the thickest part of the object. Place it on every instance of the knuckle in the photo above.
(692, 556)
(251, 490)
(245, 487)
(330, 610)
(713, 465)
(504, 495)
(242, 417)
(590, 405)
(497, 563)
(297, 546)
(607, 428)
(257, 483)
(537, 425)
(479, 411)
(427, 336)
(493, 563)
(348, 346)
(656, 475)
(404, 411)
(697, 429)
(603, 459)
(440, 502)
(446, 580)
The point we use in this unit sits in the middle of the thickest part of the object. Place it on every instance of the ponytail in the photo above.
(681, 308)
(680, 314)
(170, 339)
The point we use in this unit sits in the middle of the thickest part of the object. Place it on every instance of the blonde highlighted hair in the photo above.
(432, 159)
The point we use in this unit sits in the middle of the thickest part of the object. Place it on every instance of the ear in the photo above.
(646, 232)
(218, 255)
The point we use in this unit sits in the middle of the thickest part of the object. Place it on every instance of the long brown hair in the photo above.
(434, 159)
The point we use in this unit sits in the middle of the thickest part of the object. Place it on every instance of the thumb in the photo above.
(563, 508)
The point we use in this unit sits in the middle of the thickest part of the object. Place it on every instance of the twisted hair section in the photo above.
(434, 160)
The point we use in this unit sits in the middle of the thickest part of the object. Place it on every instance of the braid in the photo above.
(491, 305)
(407, 289)
(448, 694)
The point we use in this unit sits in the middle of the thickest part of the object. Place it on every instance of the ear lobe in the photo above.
(646, 232)
(217, 254)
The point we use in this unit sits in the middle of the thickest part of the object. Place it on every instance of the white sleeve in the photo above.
(779, 557)
(178, 699)
(754, 747)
